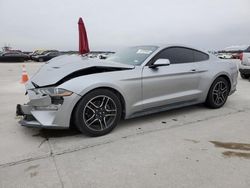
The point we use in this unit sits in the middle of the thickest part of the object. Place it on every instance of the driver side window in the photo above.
(176, 55)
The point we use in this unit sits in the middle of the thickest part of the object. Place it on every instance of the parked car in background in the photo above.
(104, 55)
(245, 63)
(95, 94)
(46, 55)
(224, 55)
(236, 56)
(13, 56)
(36, 52)
(92, 55)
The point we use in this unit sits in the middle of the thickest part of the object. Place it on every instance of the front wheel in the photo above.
(98, 112)
(218, 93)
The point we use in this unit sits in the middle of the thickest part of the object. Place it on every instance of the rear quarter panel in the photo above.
(216, 68)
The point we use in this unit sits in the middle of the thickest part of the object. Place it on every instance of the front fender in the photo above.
(128, 85)
(81, 86)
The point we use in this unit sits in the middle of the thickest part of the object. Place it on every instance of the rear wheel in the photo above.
(244, 76)
(218, 93)
(98, 112)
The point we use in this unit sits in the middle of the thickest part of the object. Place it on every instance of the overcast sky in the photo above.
(111, 24)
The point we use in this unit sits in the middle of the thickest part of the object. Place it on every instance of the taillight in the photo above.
(241, 56)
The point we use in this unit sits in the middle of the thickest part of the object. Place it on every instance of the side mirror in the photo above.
(159, 63)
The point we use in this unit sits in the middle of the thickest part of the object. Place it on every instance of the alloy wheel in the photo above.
(99, 113)
(220, 92)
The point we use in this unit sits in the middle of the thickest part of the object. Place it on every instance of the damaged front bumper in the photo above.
(44, 111)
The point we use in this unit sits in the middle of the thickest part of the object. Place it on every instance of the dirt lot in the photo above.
(188, 147)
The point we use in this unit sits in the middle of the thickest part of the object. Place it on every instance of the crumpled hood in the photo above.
(62, 66)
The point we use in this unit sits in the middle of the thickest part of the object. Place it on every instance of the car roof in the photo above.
(181, 45)
(162, 46)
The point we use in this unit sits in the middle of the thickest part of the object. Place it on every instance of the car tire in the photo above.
(98, 112)
(244, 76)
(218, 93)
(40, 59)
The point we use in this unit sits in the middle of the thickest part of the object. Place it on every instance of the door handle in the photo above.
(193, 70)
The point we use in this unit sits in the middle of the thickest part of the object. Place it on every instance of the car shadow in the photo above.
(55, 133)
(159, 116)
(73, 132)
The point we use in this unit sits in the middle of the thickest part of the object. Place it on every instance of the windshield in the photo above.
(133, 55)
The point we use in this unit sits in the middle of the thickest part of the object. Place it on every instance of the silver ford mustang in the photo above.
(95, 94)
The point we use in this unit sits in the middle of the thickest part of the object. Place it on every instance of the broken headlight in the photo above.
(53, 91)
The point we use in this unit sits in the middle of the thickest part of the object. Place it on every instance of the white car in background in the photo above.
(224, 56)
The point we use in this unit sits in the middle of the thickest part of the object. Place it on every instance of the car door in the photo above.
(173, 84)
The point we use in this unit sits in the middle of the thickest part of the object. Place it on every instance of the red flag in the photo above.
(83, 38)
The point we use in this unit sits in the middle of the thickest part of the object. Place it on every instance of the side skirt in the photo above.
(163, 108)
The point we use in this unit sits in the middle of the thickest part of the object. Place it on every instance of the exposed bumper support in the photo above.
(39, 100)
(41, 112)
(22, 110)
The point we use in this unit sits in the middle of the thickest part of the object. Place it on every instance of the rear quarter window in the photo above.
(200, 56)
